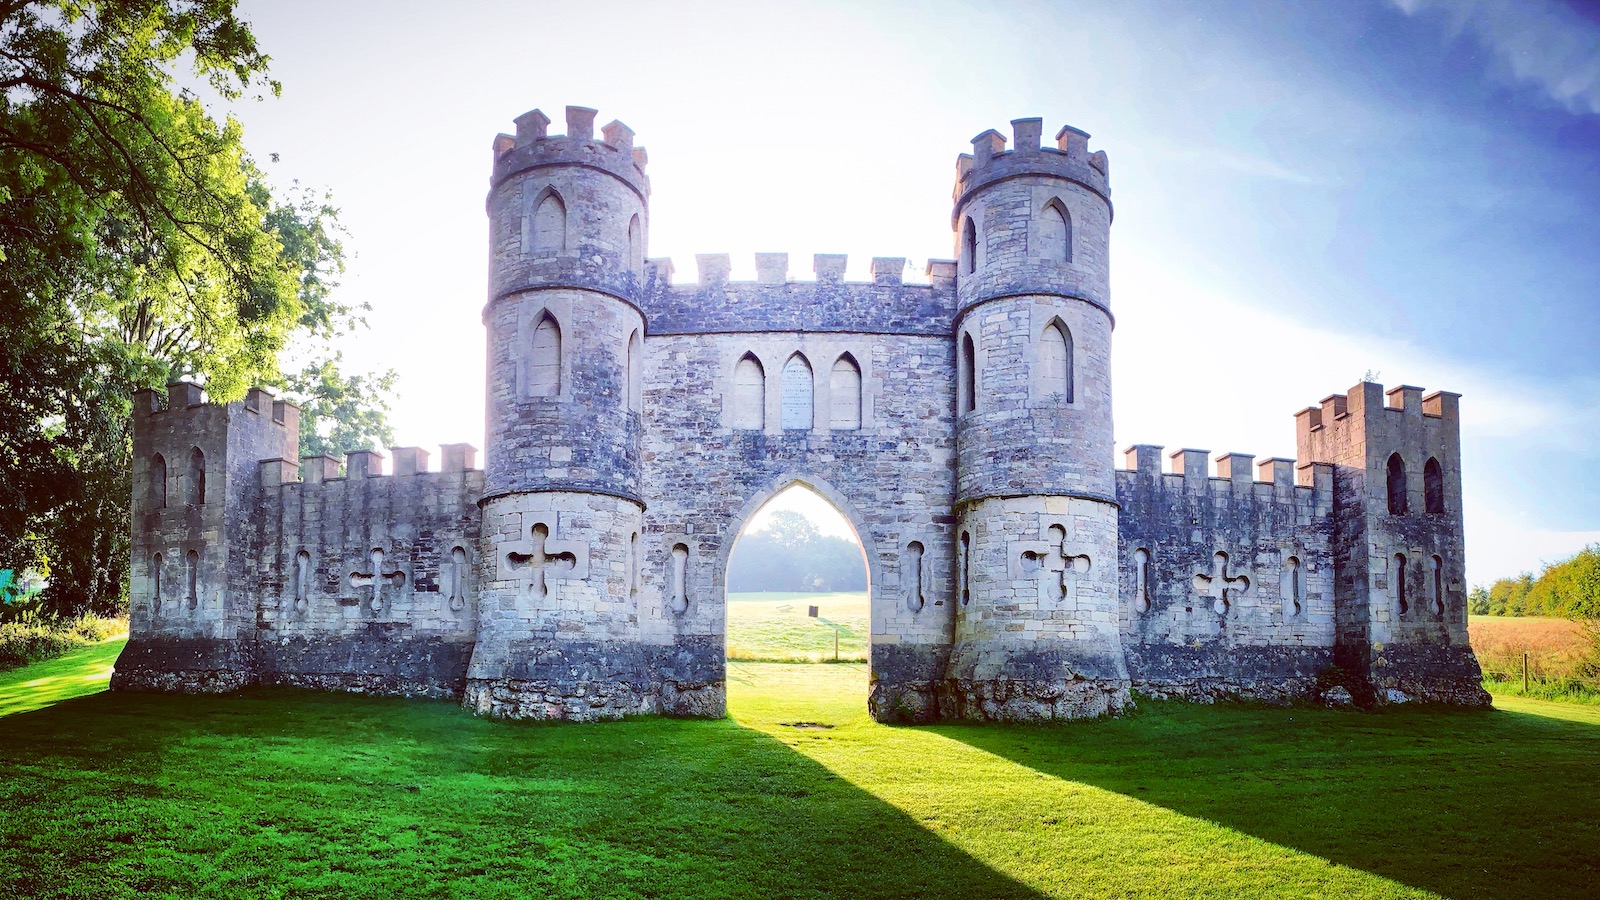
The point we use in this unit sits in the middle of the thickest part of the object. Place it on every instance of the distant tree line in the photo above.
(1569, 589)
(788, 553)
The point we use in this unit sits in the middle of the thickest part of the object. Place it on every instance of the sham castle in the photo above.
(962, 426)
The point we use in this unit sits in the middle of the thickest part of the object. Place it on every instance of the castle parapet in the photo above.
(533, 146)
(990, 161)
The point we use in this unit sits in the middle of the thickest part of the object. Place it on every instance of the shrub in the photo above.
(30, 637)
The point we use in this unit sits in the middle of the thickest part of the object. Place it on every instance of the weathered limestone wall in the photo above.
(365, 581)
(1036, 631)
(1226, 582)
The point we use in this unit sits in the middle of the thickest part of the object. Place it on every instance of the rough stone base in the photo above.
(585, 681)
(1425, 673)
(905, 682)
(387, 662)
(193, 681)
(184, 665)
(1007, 700)
(1219, 672)
(585, 701)
(904, 703)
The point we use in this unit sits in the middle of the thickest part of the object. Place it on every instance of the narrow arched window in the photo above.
(1141, 580)
(968, 377)
(1436, 584)
(1401, 600)
(197, 477)
(302, 579)
(1055, 233)
(156, 563)
(915, 598)
(749, 394)
(844, 394)
(798, 386)
(1397, 485)
(158, 482)
(966, 568)
(635, 245)
(550, 225)
(1433, 486)
(192, 578)
(1055, 361)
(1294, 591)
(544, 362)
(969, 247)
(678, 578)
(635, 371)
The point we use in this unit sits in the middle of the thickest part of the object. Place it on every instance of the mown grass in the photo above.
(277, 793)
(1556, 651)
(774, 627)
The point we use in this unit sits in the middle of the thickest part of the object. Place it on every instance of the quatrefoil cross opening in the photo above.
(377, 578)
(1054, 564)
(541, 558)
(1221, 587)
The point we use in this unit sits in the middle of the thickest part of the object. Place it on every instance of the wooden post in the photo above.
(1524, 671)
(836, 645)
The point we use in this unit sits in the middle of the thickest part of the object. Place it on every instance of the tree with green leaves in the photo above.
(139, 241)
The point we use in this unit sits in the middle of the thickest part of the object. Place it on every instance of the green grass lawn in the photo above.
(277, 793)
(774, 626)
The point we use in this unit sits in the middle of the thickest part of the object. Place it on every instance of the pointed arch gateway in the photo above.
(738, 526)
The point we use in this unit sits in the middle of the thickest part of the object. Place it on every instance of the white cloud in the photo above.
(1542, 42)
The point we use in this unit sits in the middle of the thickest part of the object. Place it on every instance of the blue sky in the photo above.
(1304, 191)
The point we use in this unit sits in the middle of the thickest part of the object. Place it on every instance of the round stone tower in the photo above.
(558, 618)
(1036, 633)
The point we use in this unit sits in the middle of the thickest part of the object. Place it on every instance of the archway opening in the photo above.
(798, 593)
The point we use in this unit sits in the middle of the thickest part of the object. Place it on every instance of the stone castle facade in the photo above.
(963, 426)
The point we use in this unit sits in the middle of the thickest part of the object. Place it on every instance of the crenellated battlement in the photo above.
(714, 269)
(184, 396)
(456, 459)
(1192, 470)
(533, 146)
(1070, 158)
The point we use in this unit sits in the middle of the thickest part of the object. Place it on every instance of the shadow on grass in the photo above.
(1462, 803)
(278, 792)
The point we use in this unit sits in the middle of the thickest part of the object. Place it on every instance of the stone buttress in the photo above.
(1036, 633)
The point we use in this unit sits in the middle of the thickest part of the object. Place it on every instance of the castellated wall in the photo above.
(1226, 583)
(963, 427)
(192, 611)
(366, 581)
(1402, 621)
(879, 446)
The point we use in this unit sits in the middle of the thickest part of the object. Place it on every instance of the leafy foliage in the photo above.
(137, 241)
(1570, 589)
